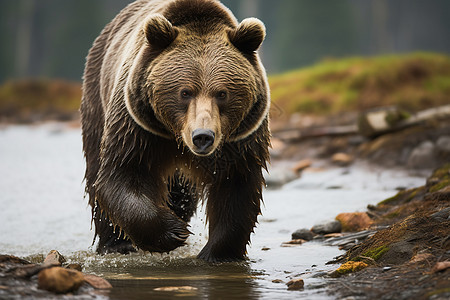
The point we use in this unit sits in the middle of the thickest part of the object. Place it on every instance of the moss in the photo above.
(442, 184)
(403, 196)
(349, 267)
(443, 172)
(376, 253)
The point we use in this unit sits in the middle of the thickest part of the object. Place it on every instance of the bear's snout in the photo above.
(203, 139)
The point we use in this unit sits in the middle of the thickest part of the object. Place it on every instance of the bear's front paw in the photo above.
(163, 234)
(212, 255)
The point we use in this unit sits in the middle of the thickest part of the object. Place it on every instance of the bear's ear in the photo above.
(159, 31)
(248, 36)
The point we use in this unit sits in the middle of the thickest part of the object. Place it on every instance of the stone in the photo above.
(54, 258)
(304, 234)
(295, 284)
(441, 266)
(76, 267)
(277, 177)
(443, 144)
(301, 165)
(295, 242)
(97, 282)
(352, 222)
(423, 156)
(59, 280)
(327, 227)
(342, 159)
(277, 281)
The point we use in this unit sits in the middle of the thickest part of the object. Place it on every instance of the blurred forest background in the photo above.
(323, 57)
(51, 38)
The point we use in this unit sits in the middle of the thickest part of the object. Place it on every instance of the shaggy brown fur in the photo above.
(174, 110)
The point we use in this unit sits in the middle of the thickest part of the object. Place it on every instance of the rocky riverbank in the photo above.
(410, 257)
(46, 279)
(400, 248)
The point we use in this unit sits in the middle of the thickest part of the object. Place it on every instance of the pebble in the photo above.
(60, 280)
(423, 156)
(443, 144)
(277, 281)
(301, 165)
(76, 267)
(352, 222)
(97, 282)
(304, 234)
(342, 159)
(295, 284)
(441, 266)
(54, 258)
(295, 242)
(327, 227)
(277, 177)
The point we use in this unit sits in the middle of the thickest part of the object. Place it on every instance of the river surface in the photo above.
(42, 208)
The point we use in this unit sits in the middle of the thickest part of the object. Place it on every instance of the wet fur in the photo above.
(136, 162)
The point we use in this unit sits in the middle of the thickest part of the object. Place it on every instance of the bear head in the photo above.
(203, 79)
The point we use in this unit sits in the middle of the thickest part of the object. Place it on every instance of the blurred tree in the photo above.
(51, 38)
(310, 30)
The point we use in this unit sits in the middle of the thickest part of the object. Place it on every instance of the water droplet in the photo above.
(214, 172)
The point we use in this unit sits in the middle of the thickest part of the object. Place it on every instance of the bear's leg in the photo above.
(110, 240)
(183, 198)
(232, 210)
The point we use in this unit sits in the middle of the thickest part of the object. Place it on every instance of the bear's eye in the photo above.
(222, 95)
(186, 94)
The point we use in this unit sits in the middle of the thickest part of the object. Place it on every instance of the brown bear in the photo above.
(175, 110)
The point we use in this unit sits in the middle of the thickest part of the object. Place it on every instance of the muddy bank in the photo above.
(410, 258)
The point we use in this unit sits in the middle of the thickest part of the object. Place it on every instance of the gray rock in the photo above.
(423, 156)
(327, 227)
(304, 234)
(277, 177)
(443, 144)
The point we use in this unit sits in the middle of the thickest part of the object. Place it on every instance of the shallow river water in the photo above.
(42, 208)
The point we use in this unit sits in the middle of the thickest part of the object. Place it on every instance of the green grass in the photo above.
(412, 82)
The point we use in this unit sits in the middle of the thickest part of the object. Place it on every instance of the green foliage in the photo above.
(412, 82)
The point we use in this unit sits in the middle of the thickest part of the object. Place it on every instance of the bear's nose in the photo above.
(203, 140)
